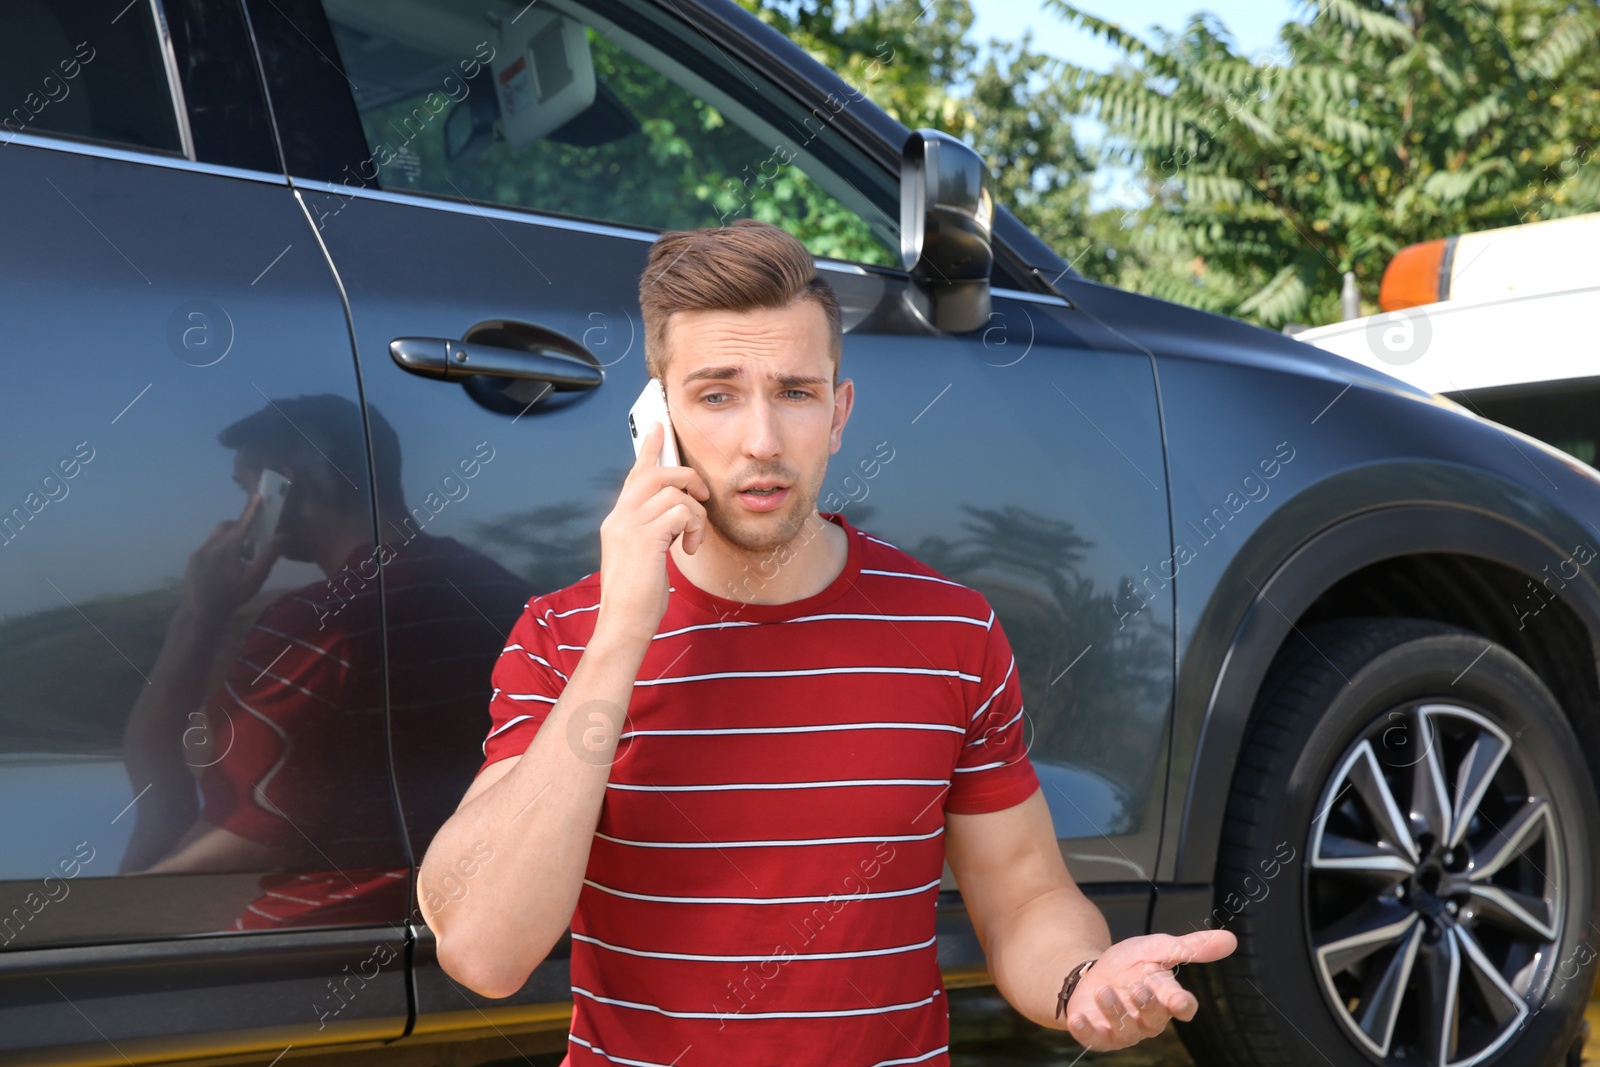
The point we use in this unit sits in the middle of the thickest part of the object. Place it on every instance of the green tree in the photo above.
(918, 62)
(1376, 124)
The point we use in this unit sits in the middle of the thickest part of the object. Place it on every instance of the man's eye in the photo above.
(798, 394)
(712, 396)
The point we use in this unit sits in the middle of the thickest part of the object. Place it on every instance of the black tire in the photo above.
(1334, 717)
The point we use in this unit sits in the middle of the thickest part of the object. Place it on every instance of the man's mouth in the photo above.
(763, 496)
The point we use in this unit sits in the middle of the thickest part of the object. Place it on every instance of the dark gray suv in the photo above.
(1307, 653)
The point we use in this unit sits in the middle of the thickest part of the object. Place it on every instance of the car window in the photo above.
(93, 70)
(222, 90)
(1559, 413)
(558, 109)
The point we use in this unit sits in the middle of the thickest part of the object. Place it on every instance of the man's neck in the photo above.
(805, 566)
(333, 551)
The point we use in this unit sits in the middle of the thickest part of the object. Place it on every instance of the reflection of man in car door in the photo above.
(289, 748)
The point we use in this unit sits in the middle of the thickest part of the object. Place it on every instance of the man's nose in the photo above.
(761, 439)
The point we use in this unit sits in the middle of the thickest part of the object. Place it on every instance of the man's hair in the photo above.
(745, 266)
(321, 437)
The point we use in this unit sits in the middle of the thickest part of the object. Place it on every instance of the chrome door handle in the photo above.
(440, 357)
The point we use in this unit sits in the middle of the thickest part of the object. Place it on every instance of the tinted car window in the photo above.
(92, 70)
(1559, 413)
(221, 86)
(560, 110)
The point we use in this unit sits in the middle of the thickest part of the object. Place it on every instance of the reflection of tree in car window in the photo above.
(646, 153)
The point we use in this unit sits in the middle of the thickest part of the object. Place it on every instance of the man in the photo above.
(283, 767)
(749, 802)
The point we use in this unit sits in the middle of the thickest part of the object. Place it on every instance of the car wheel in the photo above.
(1406, 860)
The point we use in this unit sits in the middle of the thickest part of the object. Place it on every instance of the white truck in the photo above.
(1502, 321)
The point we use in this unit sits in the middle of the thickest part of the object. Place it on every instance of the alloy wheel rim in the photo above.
(1433, 886)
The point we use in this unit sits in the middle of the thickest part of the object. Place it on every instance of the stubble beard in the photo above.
(760, 536)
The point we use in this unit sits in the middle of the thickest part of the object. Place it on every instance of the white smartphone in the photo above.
(651, 407)
(274, 489)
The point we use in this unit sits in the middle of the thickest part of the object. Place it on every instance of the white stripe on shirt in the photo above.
(833, 1014)
(985, 767)
(997, 689)
(777, 785)
(781, 842)
(904, 1060)
(508, 725)
(908, 574)
(998, 729)
(659, 899)
(810, 671)
(891, 618)
(628, 1062)
(259, 789)
(701, 626)
(798, 729)
(536, 658)
(304, 644)
(757, 958)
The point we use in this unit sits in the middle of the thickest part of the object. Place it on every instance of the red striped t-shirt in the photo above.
(300, 718)
(762, 881)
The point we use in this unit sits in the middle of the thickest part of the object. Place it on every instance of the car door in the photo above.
(199, 847)
(488, 178)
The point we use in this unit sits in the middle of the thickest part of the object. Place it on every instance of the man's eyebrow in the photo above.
(725, 372)
(716, 373)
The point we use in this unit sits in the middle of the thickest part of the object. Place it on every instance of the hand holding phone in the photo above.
(661, 501)
(274, 489)
(651, 407)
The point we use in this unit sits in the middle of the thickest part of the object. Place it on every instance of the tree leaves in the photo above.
(1378, 123)
(1256, 182)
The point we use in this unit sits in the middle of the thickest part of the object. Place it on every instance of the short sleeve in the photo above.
(283, 718)
(527, 682)
(993, 771)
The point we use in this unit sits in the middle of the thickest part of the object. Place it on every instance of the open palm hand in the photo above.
(1130, 992)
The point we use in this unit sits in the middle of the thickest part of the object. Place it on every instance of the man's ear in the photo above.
(844, 399)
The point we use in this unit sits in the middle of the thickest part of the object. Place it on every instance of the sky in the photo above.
(1253, 23)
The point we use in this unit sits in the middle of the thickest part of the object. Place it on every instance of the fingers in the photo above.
(644, 478)
(266, 556)
(665, 499)
(234, 531)
(681, 519)
(1138, 994)
(1177, 1001)
(672, 511)
(1202, 946)
(1117, 1017)
(649, 448)
(1152, 1013)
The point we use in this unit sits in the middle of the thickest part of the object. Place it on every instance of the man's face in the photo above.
(751, 398)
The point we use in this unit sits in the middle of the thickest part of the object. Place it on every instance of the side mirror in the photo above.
(946, 223)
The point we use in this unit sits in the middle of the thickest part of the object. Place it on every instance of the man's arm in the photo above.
(167, 718)
(1035, 925)
(208, 849)
(534, 815)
